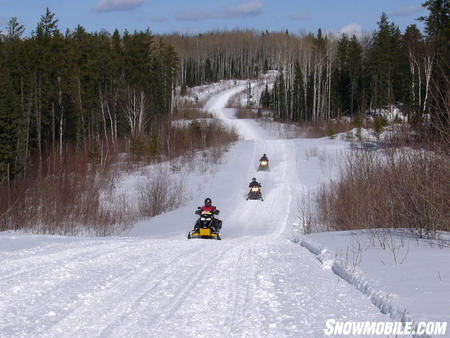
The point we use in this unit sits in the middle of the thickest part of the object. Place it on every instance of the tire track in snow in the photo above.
(189, 277)
(244, 315)
(183, 294)
(38, 287)
(37, 262)
(126, 291)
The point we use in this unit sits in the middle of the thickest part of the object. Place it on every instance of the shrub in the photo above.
(331, 131)
(138, 145)
(196, 127)
(183, 89)
(378, 125)
(245, 113)
(357, 121)
(259, 113)
(153, 147)
(403, 188)
(74, 194)
(160, 193)
(65, 199)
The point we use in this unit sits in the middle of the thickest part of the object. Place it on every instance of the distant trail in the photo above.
(217, 104)
(254, 282)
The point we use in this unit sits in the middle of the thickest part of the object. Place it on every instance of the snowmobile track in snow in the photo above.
(155, 282)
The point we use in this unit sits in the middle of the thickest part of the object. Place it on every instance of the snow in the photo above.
(398, 271)
(152, 281)
(142, 287)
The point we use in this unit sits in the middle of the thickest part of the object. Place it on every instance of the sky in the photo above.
(198, 16)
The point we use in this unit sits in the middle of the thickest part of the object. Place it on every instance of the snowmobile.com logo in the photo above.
(341, 328)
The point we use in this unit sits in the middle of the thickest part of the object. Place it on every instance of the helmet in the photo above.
(264, 155)
(253, 179)
(208, 202)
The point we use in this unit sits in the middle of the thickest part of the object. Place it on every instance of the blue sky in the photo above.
(196, 16)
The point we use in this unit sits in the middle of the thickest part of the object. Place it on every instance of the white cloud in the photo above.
(251, 8)
(403, 11)
(117, 5)
(300, 16)
(351, 29)
(246, 9)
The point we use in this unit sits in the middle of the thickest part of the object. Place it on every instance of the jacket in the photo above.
(212, 209)
(254, 184)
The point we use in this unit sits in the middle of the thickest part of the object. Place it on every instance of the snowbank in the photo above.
(386, 302)
(400, 279)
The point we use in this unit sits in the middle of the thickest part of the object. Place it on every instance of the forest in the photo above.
(327, 76)
(87, 89)
(71, 102)
(78, 89)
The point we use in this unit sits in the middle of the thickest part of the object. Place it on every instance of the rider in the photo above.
(253, 183)
(264, 158)
(217, 223)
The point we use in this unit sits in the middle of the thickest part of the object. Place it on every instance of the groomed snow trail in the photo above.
(156, 283)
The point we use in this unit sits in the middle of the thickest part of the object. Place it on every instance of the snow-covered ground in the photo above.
(153, 282)
(403, 275)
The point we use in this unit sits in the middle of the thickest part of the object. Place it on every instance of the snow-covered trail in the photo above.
(156, 283)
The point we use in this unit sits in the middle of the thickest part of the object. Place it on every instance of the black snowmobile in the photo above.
(207, 226)
(255, 193)
(263, 165)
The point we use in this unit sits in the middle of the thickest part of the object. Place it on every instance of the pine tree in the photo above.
(355, 64)
(384, 62)
(264, 100)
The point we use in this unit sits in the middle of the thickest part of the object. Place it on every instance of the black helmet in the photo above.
(253, 179)
(208, 202)
(264, 155)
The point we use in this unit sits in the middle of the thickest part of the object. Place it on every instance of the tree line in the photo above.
(78, 88)
(324, 76)
(349, 76)
(87, 90)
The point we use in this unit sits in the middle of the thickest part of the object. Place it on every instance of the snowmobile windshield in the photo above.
(206, 216)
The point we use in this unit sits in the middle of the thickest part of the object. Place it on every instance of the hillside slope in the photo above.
(154, 282)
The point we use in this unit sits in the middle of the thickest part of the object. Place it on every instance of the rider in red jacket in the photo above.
(207, 207)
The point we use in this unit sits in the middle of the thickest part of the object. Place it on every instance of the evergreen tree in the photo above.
(264, 100)
(58, 89)
(384, 63)
(299, 106)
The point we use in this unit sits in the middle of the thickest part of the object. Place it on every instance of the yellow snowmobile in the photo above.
(205, 227)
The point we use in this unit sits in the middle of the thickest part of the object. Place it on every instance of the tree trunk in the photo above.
(428, 65)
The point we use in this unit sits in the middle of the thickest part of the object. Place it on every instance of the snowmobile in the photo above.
(255, 194)
(263, 165)
(204, 227)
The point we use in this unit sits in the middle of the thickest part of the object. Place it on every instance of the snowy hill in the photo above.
(153, 282)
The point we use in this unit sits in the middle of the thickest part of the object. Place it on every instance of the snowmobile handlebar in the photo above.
(199, 211)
